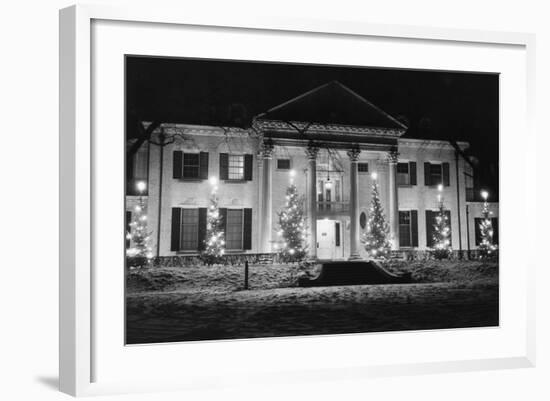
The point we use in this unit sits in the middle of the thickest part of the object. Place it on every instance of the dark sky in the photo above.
(434, 105)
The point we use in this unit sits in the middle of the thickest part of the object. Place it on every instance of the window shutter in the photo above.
(177, 163)
(224, 166)
(477, 222)
(494, 222)
(248, 167)
(203, 166)
(202, 228)
(223, 215)
(176, 226)
(448, 214)
(247, 227)
(414, 227)
(427, 174)
(429, 228)
(412, 173)
(446, 180)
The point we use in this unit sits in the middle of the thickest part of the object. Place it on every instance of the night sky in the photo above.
(434, 105)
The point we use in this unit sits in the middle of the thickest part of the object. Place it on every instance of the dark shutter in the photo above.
(412, 173)
(247, 227)
(448, 214)
(414, 227)
(177, 163)
(223, 216)
(427, 174)
(446, 180)
(224, 166)
(202, 228)
(477, 223)
(128, 227)
(337, 233)
(494, 222)
(176, 226)
(203, 166)
(248, 167)
(429, 228)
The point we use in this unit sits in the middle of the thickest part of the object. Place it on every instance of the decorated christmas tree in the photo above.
(376, 238)
(487, 247)
(292, 232)
(139, 253)
(442, 232)
(214, 243)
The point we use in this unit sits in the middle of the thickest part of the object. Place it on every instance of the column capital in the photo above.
(312, 151)
(267, 149)
(353, 154)
(392, 156)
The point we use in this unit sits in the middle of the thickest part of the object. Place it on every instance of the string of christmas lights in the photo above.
(442, 231)
(376, 238)
(486, 247)
(214, 243)
(139, 253)
(292, 228)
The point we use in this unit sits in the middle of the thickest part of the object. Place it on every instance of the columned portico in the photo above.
(267, 197)
(353, 155)
(393, 201)
(311, 153)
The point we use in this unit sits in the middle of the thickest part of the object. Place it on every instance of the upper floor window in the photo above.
(436, 173)
(406, 173)
(283, 164)
(190, 166)
(363, 167)
(235, 167)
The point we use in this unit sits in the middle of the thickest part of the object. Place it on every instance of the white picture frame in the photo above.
(78, 217)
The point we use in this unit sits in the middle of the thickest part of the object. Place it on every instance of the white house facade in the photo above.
(329, 141)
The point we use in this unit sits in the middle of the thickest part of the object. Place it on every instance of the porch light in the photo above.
(292, 173)
(440, 187)
(328, 184)
(213, 181)
(141, 186)
(374, 176)
(484, 195)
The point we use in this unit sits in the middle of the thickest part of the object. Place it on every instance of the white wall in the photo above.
(28, 298)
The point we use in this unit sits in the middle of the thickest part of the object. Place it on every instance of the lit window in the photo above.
(234, 229)
(189, 229)
(283, 164)
(236, 167)
(363, 167)
(403, 176)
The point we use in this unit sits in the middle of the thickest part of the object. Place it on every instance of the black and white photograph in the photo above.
(278, 199)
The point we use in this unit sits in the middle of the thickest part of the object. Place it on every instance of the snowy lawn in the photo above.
(178, 304)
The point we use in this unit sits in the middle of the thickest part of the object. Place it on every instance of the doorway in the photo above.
(329, 239)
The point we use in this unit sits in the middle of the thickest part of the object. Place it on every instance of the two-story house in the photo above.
(330, 141)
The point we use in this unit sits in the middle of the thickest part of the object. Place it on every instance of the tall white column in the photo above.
(267, 201)
(394, 204)
(353, 155)
(311, 153)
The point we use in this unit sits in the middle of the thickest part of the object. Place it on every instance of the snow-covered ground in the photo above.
(171, 304)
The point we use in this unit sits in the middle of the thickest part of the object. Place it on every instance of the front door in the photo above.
(329, 242)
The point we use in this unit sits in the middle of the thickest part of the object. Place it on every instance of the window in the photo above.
(403, 176)
(337, 233)
(236, 167)
(431, 216)
(436, 174)
(363, 167)
(191, 165)
(405, 228)
(128, 228)
(189, 229)
(234, 229)
(283, 164)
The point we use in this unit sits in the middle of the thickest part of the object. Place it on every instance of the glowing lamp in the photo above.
(141, 186)
(440, 187)
(374, 176)
(484, 195)
(213, 181)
